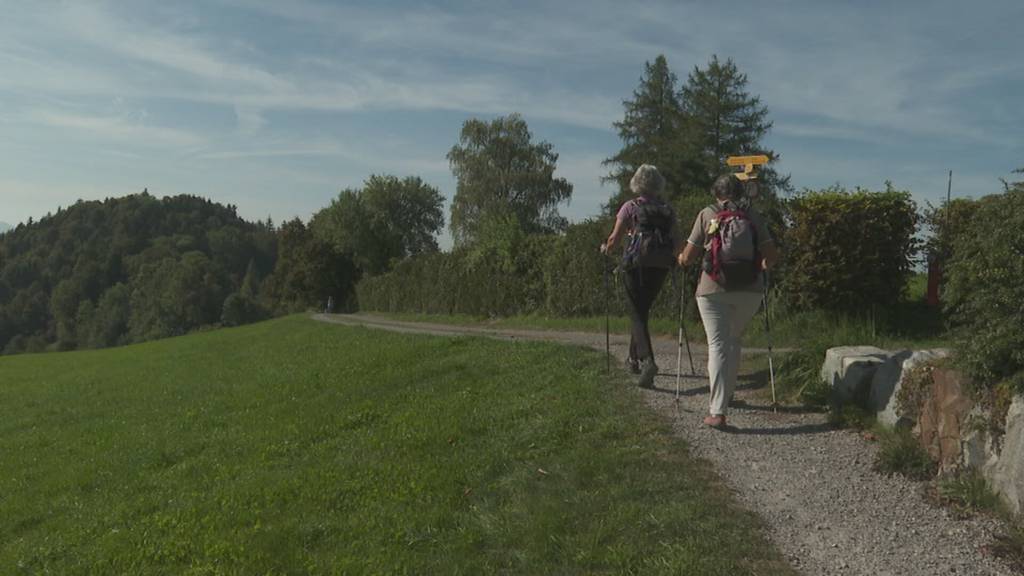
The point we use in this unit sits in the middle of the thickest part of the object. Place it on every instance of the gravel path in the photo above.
(824, 507)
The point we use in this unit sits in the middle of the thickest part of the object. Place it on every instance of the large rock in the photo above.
(977, 446)
(849, 370)
(888, 380)
(944, 417)
(1006, 474)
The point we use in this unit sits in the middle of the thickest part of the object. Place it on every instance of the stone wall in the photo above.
(945, 418)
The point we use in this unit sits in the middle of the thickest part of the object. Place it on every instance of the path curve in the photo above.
(823, 506)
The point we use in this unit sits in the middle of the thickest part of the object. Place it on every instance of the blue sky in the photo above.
(275, 106)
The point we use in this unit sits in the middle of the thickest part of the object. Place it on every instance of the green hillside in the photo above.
(295, 447)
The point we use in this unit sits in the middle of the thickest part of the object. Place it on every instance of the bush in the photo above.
(947, 223)
(574, 274)
(508, 272)
(500, 275)
(849, 251)
(241, 309)
(984, 289)
(900, 453)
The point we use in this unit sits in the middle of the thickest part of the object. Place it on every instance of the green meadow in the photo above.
(297, 447)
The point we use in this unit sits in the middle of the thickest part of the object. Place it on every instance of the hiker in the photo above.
(648, 255)
(737, 248)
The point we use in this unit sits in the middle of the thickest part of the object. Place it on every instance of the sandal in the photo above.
(715, 421)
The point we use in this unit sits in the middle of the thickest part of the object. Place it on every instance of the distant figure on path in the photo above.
(736, 247)
(648, 255)
(330, 304)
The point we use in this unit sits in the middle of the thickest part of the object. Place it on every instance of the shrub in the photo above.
(849, 251)
(900, 453)
(984, 289)
(574, 274)
(947, 223)
(969, 491)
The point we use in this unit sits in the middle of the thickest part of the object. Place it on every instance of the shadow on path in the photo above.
(782, 431)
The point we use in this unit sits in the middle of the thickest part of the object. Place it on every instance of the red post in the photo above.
(934, 279)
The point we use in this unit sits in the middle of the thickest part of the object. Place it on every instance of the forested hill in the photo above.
(136, 268)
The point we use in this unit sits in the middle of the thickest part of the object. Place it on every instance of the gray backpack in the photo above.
(732, 258)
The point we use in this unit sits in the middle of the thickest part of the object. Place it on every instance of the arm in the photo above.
(693, 248)
(691, 254)
(613, 238)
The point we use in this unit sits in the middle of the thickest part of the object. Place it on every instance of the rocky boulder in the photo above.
(1006, 474)
(889, 378)
(849, 370)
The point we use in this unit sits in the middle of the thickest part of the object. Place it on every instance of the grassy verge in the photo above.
(667, 327)
(915, 326)
(295, 447)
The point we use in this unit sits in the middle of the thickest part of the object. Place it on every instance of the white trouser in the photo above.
(725, 315)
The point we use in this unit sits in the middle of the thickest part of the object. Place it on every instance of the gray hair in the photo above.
(727, 187)
(647, 181)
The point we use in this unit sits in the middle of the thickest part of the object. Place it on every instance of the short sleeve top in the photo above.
(699, 238)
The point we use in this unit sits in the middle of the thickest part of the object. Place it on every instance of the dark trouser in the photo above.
(642, 287)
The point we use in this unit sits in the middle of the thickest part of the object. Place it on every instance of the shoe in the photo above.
(633, 364)
(715, 421)
(648, 370)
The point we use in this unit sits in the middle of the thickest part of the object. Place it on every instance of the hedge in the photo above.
(510, 273)
(849, 251)
(984, 292)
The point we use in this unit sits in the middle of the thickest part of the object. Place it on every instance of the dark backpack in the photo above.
(650, 245)
(732, 259)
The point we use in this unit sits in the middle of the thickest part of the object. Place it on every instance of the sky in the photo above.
(277, 106)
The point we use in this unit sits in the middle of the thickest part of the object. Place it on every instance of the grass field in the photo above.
(295, 447)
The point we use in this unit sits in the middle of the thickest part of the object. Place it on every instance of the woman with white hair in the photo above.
(647, 258)
(736, 247)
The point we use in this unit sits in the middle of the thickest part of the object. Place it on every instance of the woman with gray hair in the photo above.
(649, 254)
(737, 247)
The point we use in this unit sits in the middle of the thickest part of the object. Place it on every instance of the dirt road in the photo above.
(824, 507)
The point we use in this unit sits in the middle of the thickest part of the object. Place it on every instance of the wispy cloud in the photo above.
(116, 128)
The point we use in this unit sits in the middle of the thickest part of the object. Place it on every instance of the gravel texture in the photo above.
(814, 487)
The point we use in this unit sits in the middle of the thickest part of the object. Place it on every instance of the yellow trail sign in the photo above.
(748, 165)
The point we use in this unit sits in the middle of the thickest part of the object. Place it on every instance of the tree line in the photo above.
(130, 269)
(135, 268)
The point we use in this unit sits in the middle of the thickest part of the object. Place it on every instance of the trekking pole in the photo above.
(682, 325)
(607, 336)
(768, 333)
(683, 336)
(679, 347)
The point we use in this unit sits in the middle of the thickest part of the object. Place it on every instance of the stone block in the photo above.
(1006, 474)
(888, 380)
(848, 370)
(976, 444)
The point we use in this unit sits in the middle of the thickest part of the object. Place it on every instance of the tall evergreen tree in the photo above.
(722, 117)
(501, 173)
(652, 132)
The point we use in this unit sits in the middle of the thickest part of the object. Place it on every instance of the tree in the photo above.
(722, 117)
(308, 271)
(388, 219)
(652, 133)
(501, 173)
